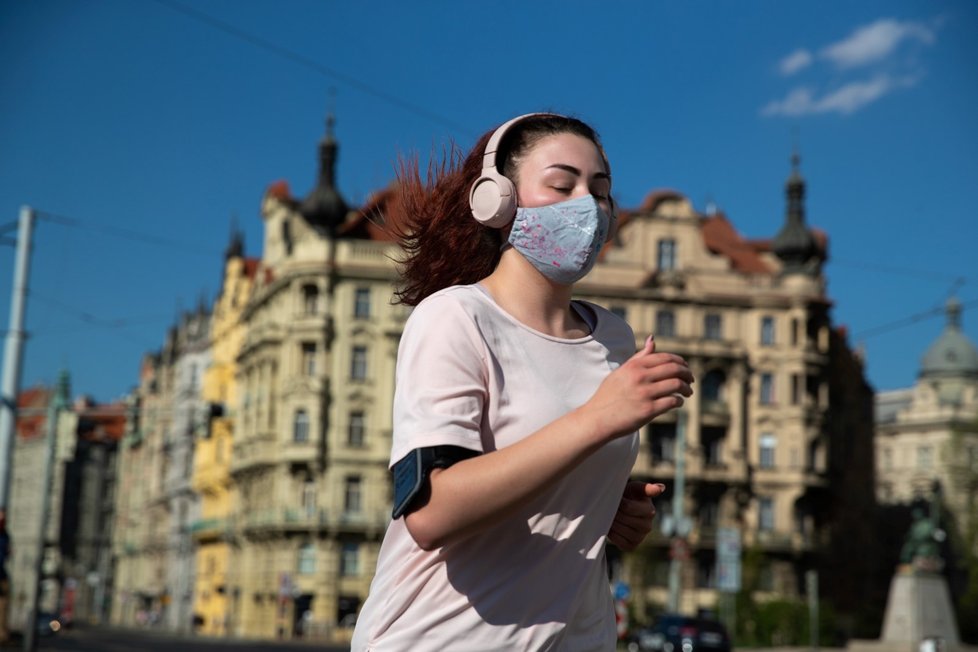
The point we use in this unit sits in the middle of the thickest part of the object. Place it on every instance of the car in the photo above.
(47, 624)
(677, 633)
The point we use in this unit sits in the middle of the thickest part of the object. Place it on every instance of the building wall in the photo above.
(212, 533)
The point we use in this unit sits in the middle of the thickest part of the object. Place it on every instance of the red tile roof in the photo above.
(720, 237)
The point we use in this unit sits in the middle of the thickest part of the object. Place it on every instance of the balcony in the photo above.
(298, 519)
(211, 529)
(256, 451)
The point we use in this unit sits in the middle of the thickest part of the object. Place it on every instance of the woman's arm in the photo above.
(476, 493)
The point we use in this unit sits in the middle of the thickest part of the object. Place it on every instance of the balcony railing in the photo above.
(290, 518)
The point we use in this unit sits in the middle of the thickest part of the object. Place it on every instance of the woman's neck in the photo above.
(519, 289)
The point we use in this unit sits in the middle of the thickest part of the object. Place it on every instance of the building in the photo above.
(929, 432)
(752, 318)
(156, 507)
(88, 511)
(34, 548)
(312, 429)
(76, 569)
(211, 481)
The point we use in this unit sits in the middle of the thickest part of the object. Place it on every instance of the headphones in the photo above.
(492, 198)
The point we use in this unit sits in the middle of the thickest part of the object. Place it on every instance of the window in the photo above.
(794, 332)
(358, 365)
(354, 436)
(667, 254)
(350, 560)
(767, 331)
(795, 389)
(665, 324)
(765, 515)
(309, 497)
(307, 559)
(767, 389)
(310, 299)
(707, 513)
(711, 442)
(619, 311)
(713, 326)
(361, 303)
(887, 458)
(662, 437)
(925, 457)
(352, 498)
(309, 358)
(705, 569)
(300, 427)
(713, 385)
(768, 445)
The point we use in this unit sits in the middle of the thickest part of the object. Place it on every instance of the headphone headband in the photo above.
(492, 198)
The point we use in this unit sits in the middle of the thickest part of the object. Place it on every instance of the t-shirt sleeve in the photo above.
(441, 379)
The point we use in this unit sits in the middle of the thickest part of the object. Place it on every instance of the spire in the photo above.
(324, 207)
(235, 248)
(794, 243)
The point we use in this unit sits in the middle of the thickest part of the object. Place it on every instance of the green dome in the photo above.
(952, 354)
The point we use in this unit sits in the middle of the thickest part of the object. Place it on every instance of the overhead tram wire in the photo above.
(128, 234)
(907, 321)
(312, 64)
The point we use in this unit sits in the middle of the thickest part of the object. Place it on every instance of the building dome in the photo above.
(324, 207)
(952, 354)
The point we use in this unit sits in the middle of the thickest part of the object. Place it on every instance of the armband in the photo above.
(411, 472)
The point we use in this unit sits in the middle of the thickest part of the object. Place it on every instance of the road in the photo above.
(109, 640)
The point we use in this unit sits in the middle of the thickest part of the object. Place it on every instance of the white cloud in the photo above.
(795, 61)
(845, 100)
(876, 41)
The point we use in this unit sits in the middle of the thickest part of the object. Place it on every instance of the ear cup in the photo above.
(492, 199)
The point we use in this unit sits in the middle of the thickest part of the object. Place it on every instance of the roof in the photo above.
(31, 412)
(952, 354)
(721, 238)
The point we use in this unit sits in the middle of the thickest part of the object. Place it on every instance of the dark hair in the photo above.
(444, 245)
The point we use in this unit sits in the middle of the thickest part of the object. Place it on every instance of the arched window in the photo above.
(310, 299)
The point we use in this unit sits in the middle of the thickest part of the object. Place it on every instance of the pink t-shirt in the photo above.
(471, 375)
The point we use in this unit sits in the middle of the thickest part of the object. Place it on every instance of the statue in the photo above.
(921, 546)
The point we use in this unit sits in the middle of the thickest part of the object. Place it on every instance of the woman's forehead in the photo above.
(563, 150)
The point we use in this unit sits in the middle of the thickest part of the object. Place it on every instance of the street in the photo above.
(111, 640)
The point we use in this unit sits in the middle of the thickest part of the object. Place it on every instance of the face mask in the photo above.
(561, 240)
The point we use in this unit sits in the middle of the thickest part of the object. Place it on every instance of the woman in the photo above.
(516, 408)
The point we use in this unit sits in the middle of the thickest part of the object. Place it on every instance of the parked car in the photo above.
(675, 633)
(47, 624)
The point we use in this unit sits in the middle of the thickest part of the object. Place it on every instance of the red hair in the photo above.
(444, 244)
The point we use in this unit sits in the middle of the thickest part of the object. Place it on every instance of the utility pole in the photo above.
(678, 525)
(59, 401)
(10, 382)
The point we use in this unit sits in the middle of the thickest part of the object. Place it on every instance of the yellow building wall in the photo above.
(212, 458)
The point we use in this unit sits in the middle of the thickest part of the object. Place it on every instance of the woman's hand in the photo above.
(633, 520)
(647, 385)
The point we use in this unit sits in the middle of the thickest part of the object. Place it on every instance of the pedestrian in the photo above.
(515, 409)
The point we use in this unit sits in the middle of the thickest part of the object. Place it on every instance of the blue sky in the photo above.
(151, 124)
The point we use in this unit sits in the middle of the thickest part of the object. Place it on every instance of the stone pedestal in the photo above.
(919, 607)
(919, 616)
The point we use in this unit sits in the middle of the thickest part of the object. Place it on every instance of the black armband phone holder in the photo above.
(411, 472)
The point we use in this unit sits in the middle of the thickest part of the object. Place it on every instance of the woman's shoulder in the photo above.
(452, 309)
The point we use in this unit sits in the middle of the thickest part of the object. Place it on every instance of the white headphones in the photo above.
(492, 198)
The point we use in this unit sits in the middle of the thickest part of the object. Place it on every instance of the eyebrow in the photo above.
(574, 170)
